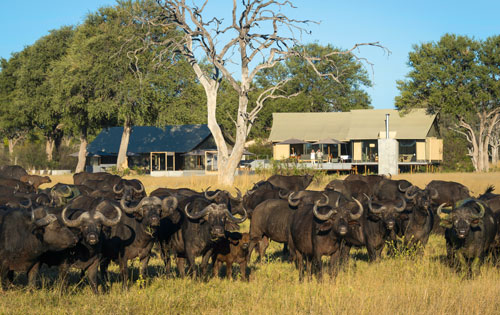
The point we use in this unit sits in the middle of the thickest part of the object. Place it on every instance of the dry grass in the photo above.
(393, 286)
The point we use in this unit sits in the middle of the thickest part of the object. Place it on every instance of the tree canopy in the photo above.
(457, 76)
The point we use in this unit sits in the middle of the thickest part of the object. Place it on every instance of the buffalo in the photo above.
(231, 249)
(470, 232)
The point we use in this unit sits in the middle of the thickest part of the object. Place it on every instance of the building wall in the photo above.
(420, 150)
(281, 151)
(356, 151)
(434, 149)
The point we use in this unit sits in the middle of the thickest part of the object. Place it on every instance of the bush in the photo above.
(262, 149)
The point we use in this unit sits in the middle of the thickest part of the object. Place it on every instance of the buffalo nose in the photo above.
(343, 230)
(92, 238)
(155, 221)
(462, 233)
(390, 225)
(218, 231)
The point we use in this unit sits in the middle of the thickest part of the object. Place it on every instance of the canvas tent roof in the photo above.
(362, 124)
(145, 139)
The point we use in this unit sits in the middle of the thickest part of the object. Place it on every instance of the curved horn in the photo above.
(164, 206)
(409, 195)
(370, 206)
(140, 190)
(250, 192)
(481, 211)
(133, 209)
(235, 219)
(98, 215)
(337, 202)
(401, 189)
(322, 217)
(68, 191)
(211, 197)
(285, 196)
(433, 193)
(26, 206)
(360, 210)
(73, 223)
(116, 191)
(238, 195)
(440, 208)
(403, 206)
(197, 215)
(46, 220)
(291, 202)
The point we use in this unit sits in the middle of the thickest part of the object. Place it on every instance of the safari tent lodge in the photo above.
(377, 141)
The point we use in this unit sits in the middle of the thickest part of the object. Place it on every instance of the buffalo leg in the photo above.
(144, 266)
(92, 275)
(32, 274)
(251, 246)
(123, 272)
(300, 265)
(263, 244)
(216, 267)
(243, 270)
(204, 263)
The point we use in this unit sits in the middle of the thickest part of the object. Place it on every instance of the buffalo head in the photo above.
(90, 222)
(150, 210)
(387, 211)
(339, 215)
(217, 216)
(467, 214)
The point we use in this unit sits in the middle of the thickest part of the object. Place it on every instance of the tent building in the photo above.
(375, 140)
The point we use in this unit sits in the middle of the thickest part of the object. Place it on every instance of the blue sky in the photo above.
(395, 24)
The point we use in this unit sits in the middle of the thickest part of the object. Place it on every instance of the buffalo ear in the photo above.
(354, 223)
(138, 215)
(446, 223)
(475, 223)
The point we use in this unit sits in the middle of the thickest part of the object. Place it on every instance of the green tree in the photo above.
(34, 92)
(459, 77)
(315, 93)
(14, 121)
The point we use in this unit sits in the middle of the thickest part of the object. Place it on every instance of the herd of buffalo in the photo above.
(103, 218)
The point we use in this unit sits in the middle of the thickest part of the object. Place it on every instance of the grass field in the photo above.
(400, 285)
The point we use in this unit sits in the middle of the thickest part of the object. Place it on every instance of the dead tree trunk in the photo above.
(121, 161)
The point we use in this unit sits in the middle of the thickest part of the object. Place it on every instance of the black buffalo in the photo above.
(135, 234)
(90, 219)
(202, 225)
(12, 171)
(470, 232)
(25, 236)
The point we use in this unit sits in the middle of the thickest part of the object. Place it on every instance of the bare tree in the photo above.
(259, 36)
(495, 144)
(480, 136)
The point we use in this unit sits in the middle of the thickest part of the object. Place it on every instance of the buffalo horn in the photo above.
(140, 190)
(481, 212)
(403, 206)
(46, 220)
(213, 196)
(408, 193)
(434, 193)
(76, 222)
(164, 202)
(283, 196)
(199, 214)
(440, 208)
(359, 213)
(26, 206)
(115, 189)
(238, 195)
(133, 209)
(370, 206)
(291, 201)
(235, 219)
(401, 189)
(68, 191)
(322, 217)
(98, 215)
